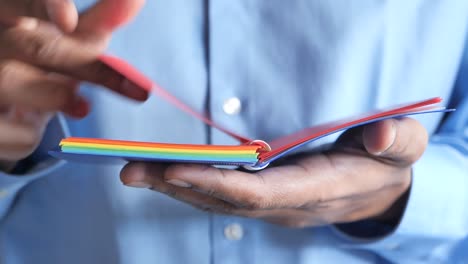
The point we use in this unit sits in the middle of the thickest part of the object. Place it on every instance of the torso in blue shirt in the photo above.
(291, 64)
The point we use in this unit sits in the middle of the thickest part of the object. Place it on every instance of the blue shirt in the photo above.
(291, 64)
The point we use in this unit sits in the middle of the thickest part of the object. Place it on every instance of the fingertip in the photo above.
(141, 172)
(401, 140)
(27, 23)
(379, 136)
(63, 13)
(132, 83)
(83, 109)
(134, 91)
(79, 109)
(132, 172)
(123, 12)
(108, 15)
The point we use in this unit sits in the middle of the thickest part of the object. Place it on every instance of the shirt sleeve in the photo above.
(39, 164)
(434, 223)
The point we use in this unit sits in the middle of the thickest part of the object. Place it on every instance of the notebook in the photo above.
(252, 154)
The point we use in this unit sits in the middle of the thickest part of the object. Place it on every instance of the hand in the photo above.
(361, 178)
(46, 48)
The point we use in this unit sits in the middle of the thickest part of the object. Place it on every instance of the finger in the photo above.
(42, 45)
(241, 189)
(147, 175)
(141, 175)
(268, 189)
(62, 13)
(150, 175)
(28, 86)
(107, 15)
(400, 140)
(378, 137)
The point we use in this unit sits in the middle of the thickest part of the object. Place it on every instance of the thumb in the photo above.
(106, 16)
(401, 140)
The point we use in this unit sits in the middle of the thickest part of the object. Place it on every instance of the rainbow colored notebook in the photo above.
(251, 154)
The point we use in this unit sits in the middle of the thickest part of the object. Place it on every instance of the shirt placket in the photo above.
(232, 239)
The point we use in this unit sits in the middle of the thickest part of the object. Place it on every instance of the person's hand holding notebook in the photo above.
(366, 175)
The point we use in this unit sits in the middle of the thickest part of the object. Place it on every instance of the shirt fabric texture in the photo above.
(292, 64)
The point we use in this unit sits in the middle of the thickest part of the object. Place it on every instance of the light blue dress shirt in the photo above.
(291, 64)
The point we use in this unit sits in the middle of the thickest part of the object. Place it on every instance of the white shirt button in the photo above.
(234, 231)
(232, 106)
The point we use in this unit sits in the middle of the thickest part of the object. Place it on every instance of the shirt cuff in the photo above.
(39, 164)
(435, 214)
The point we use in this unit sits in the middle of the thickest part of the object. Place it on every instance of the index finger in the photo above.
(41, 44)
(267, 189)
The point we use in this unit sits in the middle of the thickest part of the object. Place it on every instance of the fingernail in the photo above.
(142, 185)
(391, 140)
(179, 183)
(129, 88)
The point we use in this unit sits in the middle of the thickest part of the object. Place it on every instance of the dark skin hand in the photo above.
(362, 177)
(46, 49)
